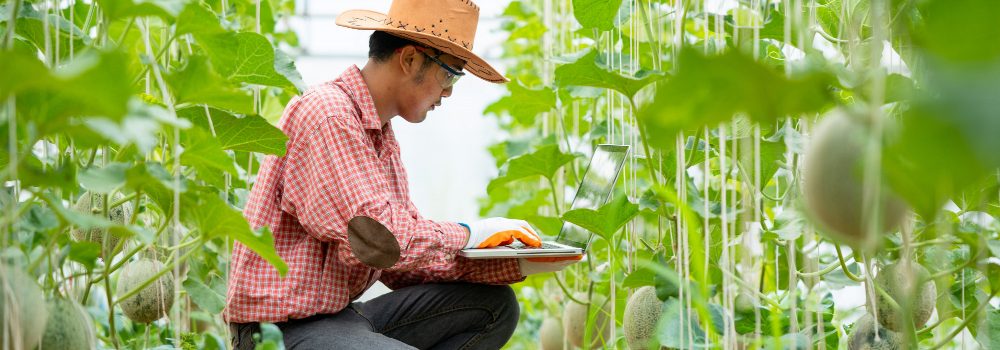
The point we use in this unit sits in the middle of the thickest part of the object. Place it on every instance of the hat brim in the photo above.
(371, 20)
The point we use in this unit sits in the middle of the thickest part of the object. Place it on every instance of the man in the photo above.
(339, 207)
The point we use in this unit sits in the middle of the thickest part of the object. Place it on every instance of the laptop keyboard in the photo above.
(545, 245)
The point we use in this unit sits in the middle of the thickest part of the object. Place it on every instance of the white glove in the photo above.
(494, 232)
(531, 266)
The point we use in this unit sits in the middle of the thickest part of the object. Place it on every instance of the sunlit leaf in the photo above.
(600, 14)
(165, 9)
(709, 90)
(215, 218)
(591, 70)
(524, 104)
(205, 154)
(243, 57)
(544, 161)
(250, 133)
(196, 82)
(198, 19)
(206, 298)
(606, 220)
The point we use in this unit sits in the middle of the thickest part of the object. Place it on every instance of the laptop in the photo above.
(595, 189)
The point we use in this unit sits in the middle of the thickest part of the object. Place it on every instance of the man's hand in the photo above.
(531, 266)
(495, 232)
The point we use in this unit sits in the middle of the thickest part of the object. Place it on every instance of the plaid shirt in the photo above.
(341, 163)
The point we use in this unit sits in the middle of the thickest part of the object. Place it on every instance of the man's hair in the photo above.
(381, 45)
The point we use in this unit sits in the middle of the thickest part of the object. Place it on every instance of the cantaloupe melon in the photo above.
(833, 181)
(575, 321)
(551, 334)
(22, 305)
(863, 336)
(92, 204)
(153, 301)
(642, 312)
(898, 281)
(68, 328)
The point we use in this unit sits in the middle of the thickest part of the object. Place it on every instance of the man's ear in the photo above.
(408, 60)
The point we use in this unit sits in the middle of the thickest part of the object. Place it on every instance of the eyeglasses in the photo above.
(451, 75)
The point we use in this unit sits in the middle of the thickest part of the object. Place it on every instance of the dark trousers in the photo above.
(428, 316)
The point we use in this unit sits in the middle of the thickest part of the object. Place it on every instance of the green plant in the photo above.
(764, 137)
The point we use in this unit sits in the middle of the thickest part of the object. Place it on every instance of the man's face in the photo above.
(425, 90)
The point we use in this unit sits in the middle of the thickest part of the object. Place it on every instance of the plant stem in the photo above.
(566, 291)
(843, 266)
(555, 198)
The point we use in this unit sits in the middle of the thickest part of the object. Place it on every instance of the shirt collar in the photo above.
(352, 82)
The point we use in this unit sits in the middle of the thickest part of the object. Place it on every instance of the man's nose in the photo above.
(447, 92)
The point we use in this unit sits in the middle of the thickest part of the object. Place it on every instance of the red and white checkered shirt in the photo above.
(341, 163)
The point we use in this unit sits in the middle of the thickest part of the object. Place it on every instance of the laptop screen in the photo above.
(595, 188)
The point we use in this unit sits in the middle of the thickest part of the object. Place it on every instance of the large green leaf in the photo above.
(203, 152)
(708, 90)
(22, 72)
(250, 133)
(198, 19)
(206, 298)
(243, 57)
(198, 83)
(154, 180)
(544, 161)
(94, 83)
(165, 9)
(600, 14)
(215, 218)
(524, 104)
(989, 331)
(591, 70)
(947, 141)
(286, 67)
(606, 220)
(103, 179)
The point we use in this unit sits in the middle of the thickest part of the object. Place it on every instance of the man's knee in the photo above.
(508, 309)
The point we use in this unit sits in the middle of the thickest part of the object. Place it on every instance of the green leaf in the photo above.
(286, 67)
(591, 70)
(545, 225)
(154, 180)
(544, 161)
(989, 331)
(607, 220)
(523, 104)
(165, 9)
(215, 218)
(713, 89)
(92, 84)
(204, 153)
(251, 133)
(96, 83)
(206, 298)
(85, 253)
(196, 18)
(639, 278)
(600, 14)
(198, 83)
(104, 179)
(22, 72)
(243, 57)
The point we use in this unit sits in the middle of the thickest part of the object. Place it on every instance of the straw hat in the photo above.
(446, 25)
